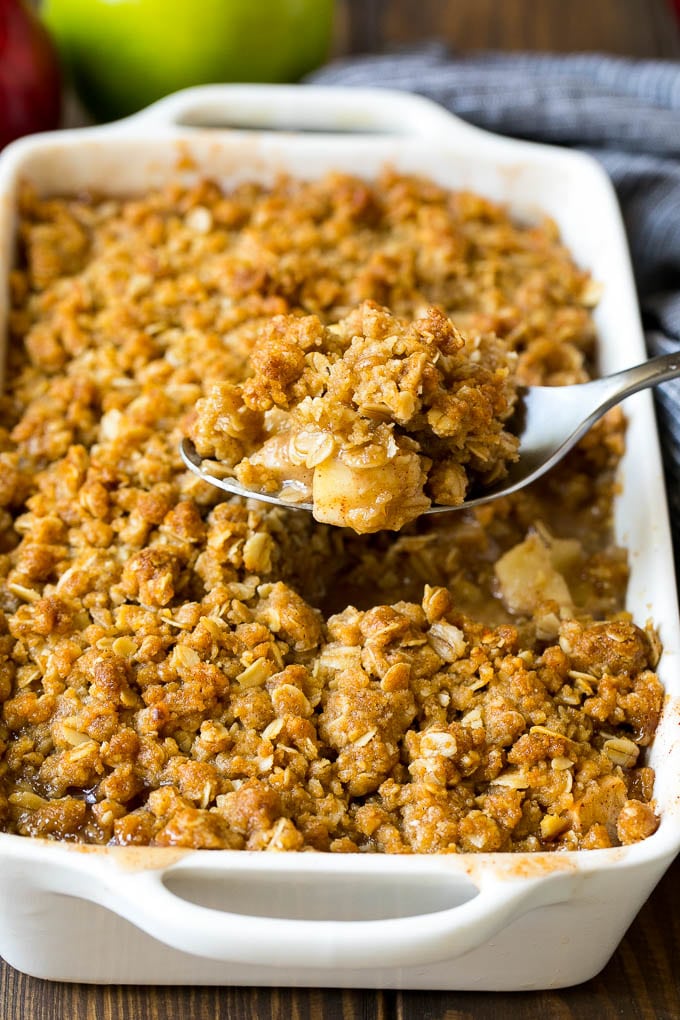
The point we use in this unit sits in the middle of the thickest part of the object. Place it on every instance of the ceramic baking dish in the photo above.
(441, 922)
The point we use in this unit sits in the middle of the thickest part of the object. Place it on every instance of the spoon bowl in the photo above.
(549, 421)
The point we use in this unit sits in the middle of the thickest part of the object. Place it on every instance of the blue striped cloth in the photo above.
(624, 112)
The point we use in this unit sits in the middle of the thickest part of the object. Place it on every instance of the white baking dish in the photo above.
(448, 922)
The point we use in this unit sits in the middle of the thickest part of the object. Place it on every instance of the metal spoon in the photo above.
(549, 421)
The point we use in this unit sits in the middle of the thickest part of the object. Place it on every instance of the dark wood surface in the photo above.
(642, 981)
(638, 28)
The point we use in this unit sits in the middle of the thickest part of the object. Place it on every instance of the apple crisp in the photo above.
(361, 416)
(179, 669)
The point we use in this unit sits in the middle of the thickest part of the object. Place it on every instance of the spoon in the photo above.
(549, 421)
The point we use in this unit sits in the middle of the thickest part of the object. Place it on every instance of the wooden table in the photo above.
(642, 981)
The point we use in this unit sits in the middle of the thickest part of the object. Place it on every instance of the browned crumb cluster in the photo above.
(371, 419)
(180, 670)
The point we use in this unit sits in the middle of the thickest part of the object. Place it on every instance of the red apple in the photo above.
(30, 83)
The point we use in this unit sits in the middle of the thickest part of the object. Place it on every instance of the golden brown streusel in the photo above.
(371, 419)
(180, 670)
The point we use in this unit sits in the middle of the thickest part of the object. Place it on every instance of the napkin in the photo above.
(625, 113)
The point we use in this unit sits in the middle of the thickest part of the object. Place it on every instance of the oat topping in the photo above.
(181, 670)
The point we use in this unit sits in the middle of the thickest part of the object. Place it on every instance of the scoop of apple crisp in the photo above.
(371, 418)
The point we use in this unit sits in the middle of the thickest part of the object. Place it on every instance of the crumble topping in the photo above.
(179, 669)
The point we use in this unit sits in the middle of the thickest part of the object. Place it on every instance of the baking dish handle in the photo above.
(299, 108)
(145, 900)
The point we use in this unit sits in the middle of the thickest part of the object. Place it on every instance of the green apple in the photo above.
(124, 54)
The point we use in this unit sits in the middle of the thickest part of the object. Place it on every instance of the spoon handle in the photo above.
(555, 418)
(650, 373)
